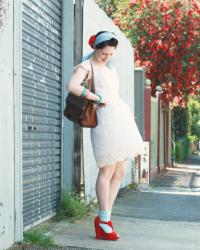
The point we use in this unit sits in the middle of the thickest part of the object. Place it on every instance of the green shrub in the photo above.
(181, 149)
(179, 156)
(180, 122)
(38, 238)
(71, 206)
(192, 140)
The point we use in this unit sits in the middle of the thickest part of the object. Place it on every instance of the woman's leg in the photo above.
(102, 191)
(118, 175)
(106, 189)
(103, 186)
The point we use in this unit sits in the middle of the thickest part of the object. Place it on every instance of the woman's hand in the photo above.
(102, 105)
(102, 101)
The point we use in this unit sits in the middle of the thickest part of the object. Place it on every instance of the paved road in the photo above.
(164, 216)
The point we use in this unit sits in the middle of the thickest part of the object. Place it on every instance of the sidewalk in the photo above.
(164, 216)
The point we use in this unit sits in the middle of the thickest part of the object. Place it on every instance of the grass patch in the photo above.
(71, 206)
(124, 190)
(36, 237)
(133, 186)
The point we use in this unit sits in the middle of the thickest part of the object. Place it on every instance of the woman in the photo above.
(116, 136)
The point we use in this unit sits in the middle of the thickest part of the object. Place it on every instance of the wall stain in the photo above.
(2, 226)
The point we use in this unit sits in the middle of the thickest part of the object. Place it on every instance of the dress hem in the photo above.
(113, 162)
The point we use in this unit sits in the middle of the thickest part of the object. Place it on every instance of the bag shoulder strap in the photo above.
(91, 81)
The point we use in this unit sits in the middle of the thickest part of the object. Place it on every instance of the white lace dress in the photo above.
(116, 137)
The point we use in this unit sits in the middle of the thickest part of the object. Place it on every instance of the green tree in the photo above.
(113, 8)
(193, 110)
(180, 122)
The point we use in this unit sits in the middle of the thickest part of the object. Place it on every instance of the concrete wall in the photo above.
(6, 132)
(96, 20)
(139, 98)
(169, 140)
(154, 136)
(162, 163)
(67, 66)
(165, 143)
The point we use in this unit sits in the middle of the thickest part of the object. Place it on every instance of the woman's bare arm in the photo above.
(74, 85)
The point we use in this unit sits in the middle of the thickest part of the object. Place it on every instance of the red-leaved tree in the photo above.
(166, 37)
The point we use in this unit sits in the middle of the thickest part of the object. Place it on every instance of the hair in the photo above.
(113, 42)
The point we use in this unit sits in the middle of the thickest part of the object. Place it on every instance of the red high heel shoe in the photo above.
(100, 234)
(109, 223)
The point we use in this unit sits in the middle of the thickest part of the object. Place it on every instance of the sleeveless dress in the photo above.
(116, 137)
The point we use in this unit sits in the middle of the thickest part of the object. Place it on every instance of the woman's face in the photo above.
(104, 55)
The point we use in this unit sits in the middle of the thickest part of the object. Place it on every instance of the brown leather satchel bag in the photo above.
(80, 110)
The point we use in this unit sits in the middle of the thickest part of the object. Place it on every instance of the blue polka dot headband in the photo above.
(105, 36)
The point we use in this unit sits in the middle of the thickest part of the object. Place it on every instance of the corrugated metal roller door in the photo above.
(41, 76)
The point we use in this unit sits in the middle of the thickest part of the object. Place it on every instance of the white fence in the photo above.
(6, 132)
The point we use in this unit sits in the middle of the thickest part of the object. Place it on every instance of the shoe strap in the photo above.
(104, 222)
